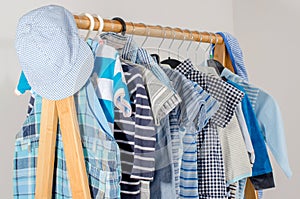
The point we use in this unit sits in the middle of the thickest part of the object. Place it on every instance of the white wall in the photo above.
(268, 33)
(198, 15)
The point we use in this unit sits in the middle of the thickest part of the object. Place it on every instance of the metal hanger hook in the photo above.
(213, 46)
(200, 42)
(184, 37)
(148, 33)
(192, 39)
(174, 35)
(133, 29)
(210, 42)
(197, 48)
(164, 37)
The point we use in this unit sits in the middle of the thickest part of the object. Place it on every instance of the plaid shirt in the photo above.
(100, 150)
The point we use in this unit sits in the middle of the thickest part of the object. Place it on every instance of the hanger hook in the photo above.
(148, 33)
(184, 37)
(192, 39)
(196, 50)
(213, 46)
(101, 24)
(164, 37)
(210, 42)
(122, 22)
(133, 29)
(174, 35)
(200, 42)
(92, 25)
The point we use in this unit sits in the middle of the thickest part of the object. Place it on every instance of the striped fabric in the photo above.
(211, 174)
(101, 152)
(195, 109)
(161, 91)
(109, 81)
(235, 53)
(135, 136)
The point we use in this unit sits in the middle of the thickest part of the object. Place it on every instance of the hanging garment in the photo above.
(245, 133)
(101, 152)
(264, 107)
(235, 53)
(109, 81)
(211, 174)
(165, 98)
(135, 136)
(159, 94)
(236, 160)
(192, 114)
(262, 176)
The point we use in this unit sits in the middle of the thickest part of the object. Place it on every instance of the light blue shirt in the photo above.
(269, 118)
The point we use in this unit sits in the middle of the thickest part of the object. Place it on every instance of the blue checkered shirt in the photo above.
(100, 150)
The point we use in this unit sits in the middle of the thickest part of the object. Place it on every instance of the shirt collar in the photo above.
(125, 45)
(231, 76)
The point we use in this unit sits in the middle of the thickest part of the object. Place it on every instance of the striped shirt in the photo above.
(109, 81)
(211, 173)
(236, 54)
(135, 136)
(159, 87)
(186, 119)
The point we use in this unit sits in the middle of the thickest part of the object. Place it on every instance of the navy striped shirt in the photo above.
(135, 136)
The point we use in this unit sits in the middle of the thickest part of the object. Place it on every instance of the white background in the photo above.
(266, 30)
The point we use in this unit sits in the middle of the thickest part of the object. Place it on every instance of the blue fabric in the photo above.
(269, 119)
(262, 163)
(23, 84)
(56, 61)
(101, 152)
(235, 53)
(109, 80)
(163, 184)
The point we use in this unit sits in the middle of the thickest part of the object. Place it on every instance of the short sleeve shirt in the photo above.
(135, 136)
(211, 174)
(109, 81)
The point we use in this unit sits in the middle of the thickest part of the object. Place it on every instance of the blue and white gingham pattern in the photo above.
(190, 116)
(101, 152)
(211, 174)
(235, 53)
(54, 59)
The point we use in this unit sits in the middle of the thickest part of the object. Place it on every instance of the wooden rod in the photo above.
(83, 22)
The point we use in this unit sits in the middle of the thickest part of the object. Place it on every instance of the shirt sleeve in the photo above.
(120, 90)
(269, 118)
(145, 135)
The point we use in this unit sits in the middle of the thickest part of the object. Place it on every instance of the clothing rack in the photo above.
(65, 111)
